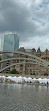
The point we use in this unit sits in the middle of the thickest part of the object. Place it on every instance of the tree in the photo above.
(33, 73)
(14, 71)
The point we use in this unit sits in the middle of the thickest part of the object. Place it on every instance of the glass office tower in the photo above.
(9, 42)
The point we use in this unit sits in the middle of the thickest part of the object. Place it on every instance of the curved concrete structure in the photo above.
(18, 64)
(31, 59)
(24, 53)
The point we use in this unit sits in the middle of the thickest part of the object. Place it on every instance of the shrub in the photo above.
(14, 71)
(33, 73)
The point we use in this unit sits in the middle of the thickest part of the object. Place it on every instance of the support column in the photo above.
(24, 65)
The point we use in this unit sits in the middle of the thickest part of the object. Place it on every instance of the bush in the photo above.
(33, 73)
(14, 71)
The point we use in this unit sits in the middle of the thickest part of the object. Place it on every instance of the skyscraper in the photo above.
(9, 42)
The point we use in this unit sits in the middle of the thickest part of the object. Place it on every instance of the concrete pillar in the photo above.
(24, 69)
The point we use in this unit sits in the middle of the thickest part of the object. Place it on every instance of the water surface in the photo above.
(19, 97)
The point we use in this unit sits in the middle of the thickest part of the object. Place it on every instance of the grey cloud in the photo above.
(26, 20)
(15, 18)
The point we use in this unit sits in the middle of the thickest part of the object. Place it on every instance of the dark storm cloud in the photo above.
(14, 17)
(29, 18)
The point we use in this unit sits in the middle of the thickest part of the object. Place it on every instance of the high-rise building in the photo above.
(9, 42)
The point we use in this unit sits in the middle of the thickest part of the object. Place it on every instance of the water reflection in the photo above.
(18, 97)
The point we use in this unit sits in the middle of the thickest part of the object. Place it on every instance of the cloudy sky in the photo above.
(29, 19)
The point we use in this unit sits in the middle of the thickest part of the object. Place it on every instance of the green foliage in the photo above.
(32, 73)
(14, 71)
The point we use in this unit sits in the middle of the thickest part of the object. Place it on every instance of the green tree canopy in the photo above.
(14, 71)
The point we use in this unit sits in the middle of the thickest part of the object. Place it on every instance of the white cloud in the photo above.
(38, 1)
(36, 42)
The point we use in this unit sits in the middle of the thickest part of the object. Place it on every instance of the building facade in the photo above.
(25, 64)
(9, 42)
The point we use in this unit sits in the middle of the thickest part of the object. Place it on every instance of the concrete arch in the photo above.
(19, 64)
(24, 53)
(34, 59)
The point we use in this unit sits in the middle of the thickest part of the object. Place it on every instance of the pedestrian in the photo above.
(47, 83)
